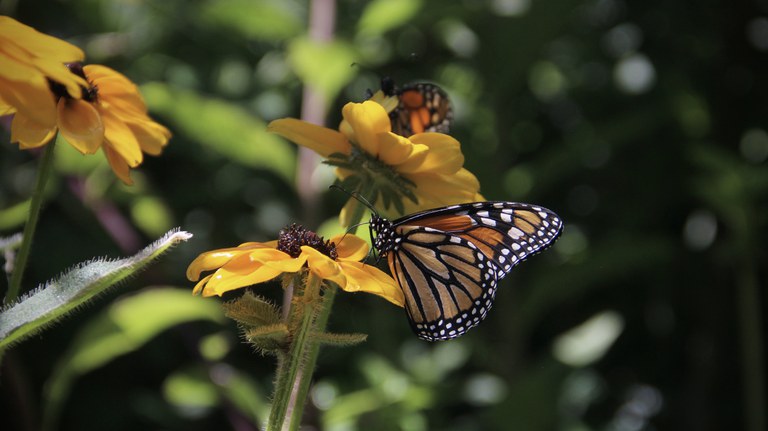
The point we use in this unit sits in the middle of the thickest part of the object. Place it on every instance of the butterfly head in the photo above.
(382, 234)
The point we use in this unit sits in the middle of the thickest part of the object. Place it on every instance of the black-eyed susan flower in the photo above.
(336, 260)
(111, 115)
(422, 171)
(31, 63)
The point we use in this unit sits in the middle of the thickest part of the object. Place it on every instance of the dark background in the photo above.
(641, 123)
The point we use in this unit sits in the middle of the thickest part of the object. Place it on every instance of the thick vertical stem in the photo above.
(29, 228)
(295, 370)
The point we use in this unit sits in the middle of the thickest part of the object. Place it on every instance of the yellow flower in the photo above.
(251, 263)
(111, 115)
(30, 64)
(425, 168)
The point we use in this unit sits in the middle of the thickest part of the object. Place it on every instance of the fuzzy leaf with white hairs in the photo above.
(59, 297)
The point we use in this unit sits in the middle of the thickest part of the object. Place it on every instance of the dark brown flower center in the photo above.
(292, 237)
(89, 94)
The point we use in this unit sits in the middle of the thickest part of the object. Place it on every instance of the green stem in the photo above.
(295, 369)
(304, 377)
(29, 228)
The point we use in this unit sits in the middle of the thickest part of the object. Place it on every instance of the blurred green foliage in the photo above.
(643, 124)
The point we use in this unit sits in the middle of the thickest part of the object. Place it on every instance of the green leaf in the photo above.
(252, 310)
(268, 339)
(190, 389)
(223, 127)
(125, 326)
(59, 297)
(151, 215)
(325, 66)
(256, 19)
(14, 216)
(339, 340)
(383, 15)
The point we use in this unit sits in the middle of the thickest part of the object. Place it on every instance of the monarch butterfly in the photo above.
(422, 107)
(449, 260)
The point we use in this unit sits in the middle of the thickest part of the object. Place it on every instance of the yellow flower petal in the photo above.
(224, 280)
(284, 263)
(199, 286)
(220, 257)
(121, 138)
(30, 134)
(436, 190)
(34, 99)
(444, 155)
(39, 43)
(118, 165)
(395, 149)
(28, 56)
(152, 137)
(80, 124)
(319, 139)
(323, 266)
(369, 279)
(350, 247)
(6, 109)
(57, 71)
(389, 103)
(367, 120)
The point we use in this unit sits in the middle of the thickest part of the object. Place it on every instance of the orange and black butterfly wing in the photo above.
(448, 283)
(422, 107)
(448, 260)
(506, 232)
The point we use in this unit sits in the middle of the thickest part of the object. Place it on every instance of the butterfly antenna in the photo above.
(357, 196)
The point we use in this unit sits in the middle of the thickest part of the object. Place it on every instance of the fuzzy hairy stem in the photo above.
(309, 313)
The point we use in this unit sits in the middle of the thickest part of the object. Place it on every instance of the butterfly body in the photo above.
(448, 261)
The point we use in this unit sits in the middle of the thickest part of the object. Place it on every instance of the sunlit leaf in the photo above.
(383, 15)
(326, 66)
(151, 215)
(222, 127)
(256, 19)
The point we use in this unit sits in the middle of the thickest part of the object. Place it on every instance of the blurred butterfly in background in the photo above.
(449, 260)
(422, 107)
